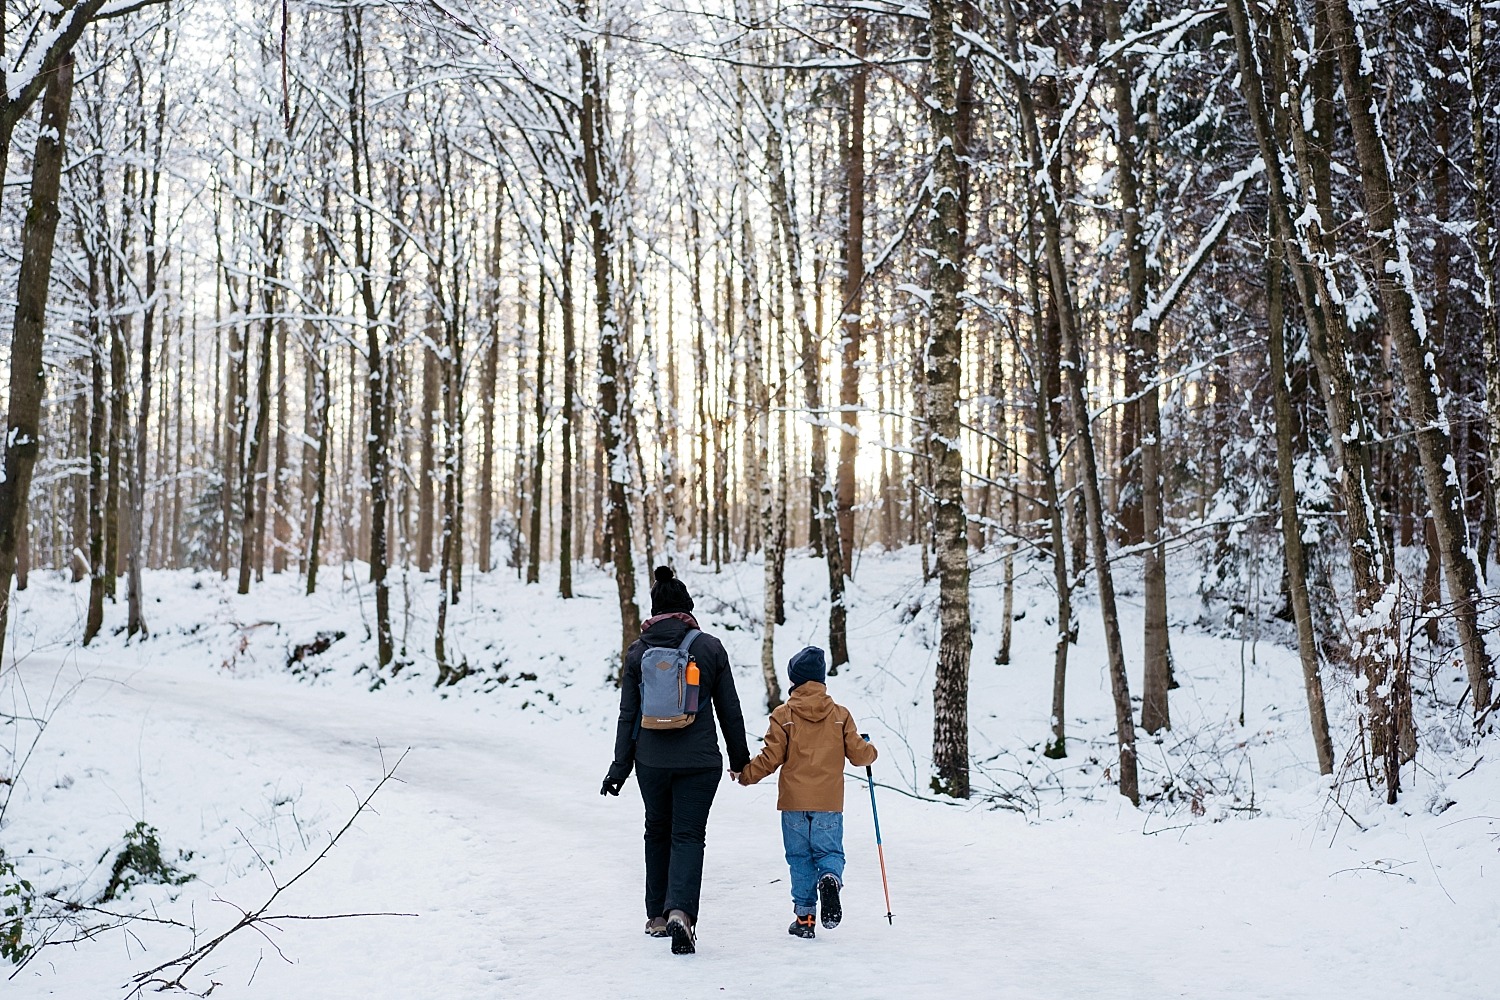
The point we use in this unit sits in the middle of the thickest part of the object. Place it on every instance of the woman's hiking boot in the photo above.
(805, 926)
(656, 927)
(828, 899)
(680, 927)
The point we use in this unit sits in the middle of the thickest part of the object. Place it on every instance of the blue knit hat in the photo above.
(807, 665)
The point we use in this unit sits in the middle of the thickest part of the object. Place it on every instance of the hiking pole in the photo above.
(879, 849)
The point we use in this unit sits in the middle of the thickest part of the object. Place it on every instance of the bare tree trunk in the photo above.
(704, 380)
(117, 425)
(854, 279)
(451, 548)
(1138, 319)
(136, 622)
(1291, 517)
(822, 497)
(570, 378)
(377, 391)
(489, 386)
(427, 461)
(78, 535)
(1047, 365)
(318, 403)
(1375, 636)
(539, 449)
(23, 414)
(1406, 323)
(1484, 254)
(172, 536)
(253, 487)
(519, 474)
(943, 375)
(281, 528)
(97, 430)
(1088, 470)
(321, 398)
(234, 391)
(612, 354)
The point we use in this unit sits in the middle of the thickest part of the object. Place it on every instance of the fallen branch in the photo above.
(170, 974)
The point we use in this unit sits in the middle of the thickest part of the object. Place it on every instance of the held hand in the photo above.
(734, 776)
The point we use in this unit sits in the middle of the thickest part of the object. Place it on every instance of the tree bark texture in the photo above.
(613, 403)
(944, 373)
(27, 376)
(853, 299)
(1291, 517)
(1406, 323)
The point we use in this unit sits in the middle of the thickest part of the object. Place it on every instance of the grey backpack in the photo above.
(669, 685)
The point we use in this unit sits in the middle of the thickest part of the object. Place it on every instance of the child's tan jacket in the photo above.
(809, 738)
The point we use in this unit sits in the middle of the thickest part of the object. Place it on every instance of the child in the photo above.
(809, 738)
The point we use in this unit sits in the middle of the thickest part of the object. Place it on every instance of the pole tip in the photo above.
(890, 919)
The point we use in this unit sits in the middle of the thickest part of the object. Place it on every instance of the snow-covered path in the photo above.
(526, 882)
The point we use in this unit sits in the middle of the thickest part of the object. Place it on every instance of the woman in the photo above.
(677, 769)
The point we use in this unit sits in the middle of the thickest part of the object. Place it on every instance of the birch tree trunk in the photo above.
(319, 360)
(151, 194)
(944, 373)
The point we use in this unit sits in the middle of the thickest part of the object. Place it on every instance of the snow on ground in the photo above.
(1241, 877)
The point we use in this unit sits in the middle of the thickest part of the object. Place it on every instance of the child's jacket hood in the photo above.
(809, 702)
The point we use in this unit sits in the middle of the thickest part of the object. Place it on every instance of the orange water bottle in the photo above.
(690, 701)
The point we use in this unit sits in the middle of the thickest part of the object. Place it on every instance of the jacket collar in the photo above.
(681, 616)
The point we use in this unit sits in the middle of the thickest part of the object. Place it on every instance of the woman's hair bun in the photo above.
(664, 573)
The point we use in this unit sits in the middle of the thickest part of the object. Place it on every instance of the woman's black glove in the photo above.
(614, 779)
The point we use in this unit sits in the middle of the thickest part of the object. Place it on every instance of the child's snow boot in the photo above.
(656, 927)
(804, 926)
(680, 926)
(828, 898)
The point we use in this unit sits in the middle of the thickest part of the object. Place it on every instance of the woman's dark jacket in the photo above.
(696, 745)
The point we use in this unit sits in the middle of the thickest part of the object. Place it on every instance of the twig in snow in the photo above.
(170, 974)
(1435, 874)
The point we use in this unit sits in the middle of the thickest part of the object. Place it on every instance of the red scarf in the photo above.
(682, 616)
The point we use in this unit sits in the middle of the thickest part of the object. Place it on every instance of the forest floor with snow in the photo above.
(491, 867)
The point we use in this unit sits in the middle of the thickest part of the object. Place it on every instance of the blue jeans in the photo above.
(814, 848)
